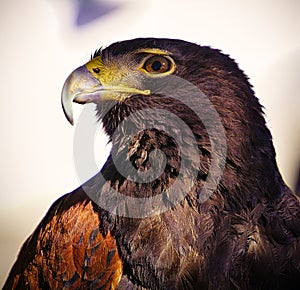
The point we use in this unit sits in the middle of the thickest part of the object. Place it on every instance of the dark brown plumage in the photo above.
(246, 235)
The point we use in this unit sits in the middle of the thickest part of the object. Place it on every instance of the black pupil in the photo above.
(156, 65)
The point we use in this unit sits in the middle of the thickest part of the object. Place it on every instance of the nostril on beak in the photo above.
(96, 70)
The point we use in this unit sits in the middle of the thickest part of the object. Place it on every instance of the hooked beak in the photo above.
(80, 87)
(83, 87)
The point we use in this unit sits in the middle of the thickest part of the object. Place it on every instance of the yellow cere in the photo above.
(114, 78)
(106, 74)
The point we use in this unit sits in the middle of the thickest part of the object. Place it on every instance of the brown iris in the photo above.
(157, 64)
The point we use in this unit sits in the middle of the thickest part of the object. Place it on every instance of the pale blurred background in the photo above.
(42, 41)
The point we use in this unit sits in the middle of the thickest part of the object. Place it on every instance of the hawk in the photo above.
(190, 196)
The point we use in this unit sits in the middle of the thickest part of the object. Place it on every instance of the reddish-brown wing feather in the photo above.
(67, 250)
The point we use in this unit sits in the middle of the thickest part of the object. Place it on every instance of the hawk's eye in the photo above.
(158, 64)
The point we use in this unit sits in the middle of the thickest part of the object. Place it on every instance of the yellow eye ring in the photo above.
(158, 65)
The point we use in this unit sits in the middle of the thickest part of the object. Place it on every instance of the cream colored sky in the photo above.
(40, 46)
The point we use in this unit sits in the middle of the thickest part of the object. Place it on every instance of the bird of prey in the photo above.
(239, 231)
